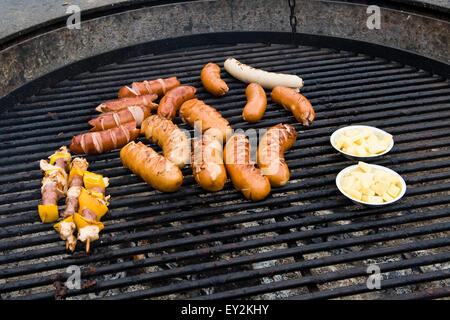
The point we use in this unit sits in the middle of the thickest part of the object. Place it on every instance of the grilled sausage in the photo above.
(210, 77)
(116, 119)
(207, 163)
(196, 110)
(119, 104)
(158, 87)
(293, 101)
(266, 79)
(103, 141)
(256, 103)
(174, 142)
(172, 100)
(244, 175)
(270, 154)
(157, 171)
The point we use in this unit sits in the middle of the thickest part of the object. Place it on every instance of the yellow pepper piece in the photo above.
(91, 180)
(56, 156)
(82, 222)
(48, 213)
(75, 171)
(88, 201)
(58, 225)
(96, 194)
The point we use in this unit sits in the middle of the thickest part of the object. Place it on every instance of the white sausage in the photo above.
(266, 79)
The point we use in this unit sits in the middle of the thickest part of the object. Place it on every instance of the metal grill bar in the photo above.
(199, 229)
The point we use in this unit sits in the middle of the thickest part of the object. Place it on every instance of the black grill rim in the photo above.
(222, 38)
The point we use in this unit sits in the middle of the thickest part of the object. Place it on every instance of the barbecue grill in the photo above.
(305, 241)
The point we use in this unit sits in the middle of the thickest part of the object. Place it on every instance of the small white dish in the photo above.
(344, 172)
(377, 131)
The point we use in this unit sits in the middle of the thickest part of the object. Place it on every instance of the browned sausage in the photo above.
(196, 110)
(120, 104)
(172, 100)
(158, 87)
(210, 77)
(207, 163)
(115, 119)
(256, 103)
(174, 142)
(103, 141)
(270, 154)
(293, 101)
(159, 172)
(244, 175)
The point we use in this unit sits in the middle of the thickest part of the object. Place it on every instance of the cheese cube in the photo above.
(348, 182)
(381, 187)
(365, 167)
(387, 197)
(353, 193)
(367, 192)
(393, 191)
(374, 199)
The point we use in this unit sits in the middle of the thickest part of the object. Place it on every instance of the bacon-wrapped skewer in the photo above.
(77, 169)
(103, 141)
(158, 86)
(145, 100)
(93, 206)
(54, 184)
(116, 119)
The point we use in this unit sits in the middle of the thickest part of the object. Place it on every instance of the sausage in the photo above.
(293, 101)
(256, 103)
(196, 110)
(270, 155)
(103, 141)
(77, 167)
(207, 163)
(116, 119)
(159, 172)
(266, 79)
(158, 87)
(174, 142)
(172, 100)
(210, 77)
(119, 104)
(244, 175)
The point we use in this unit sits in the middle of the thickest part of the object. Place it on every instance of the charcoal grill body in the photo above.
(305, 241)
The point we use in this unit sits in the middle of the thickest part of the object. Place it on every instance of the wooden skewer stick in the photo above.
(87, 244)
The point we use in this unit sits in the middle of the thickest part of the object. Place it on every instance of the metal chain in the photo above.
(293, 20)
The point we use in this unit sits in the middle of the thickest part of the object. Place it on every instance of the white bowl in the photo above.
(349, 169)
(377, 131)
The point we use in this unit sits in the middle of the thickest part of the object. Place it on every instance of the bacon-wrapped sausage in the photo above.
(210, 77)
(196, 110)
(119, 104)
(174, 142)
(172, 100)
(244, 175)
(103, 141)
(116, 119)
(158, 87)
(159, 172)
(77, 169)
(293, 101)
(54, 184)
(270, 154)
